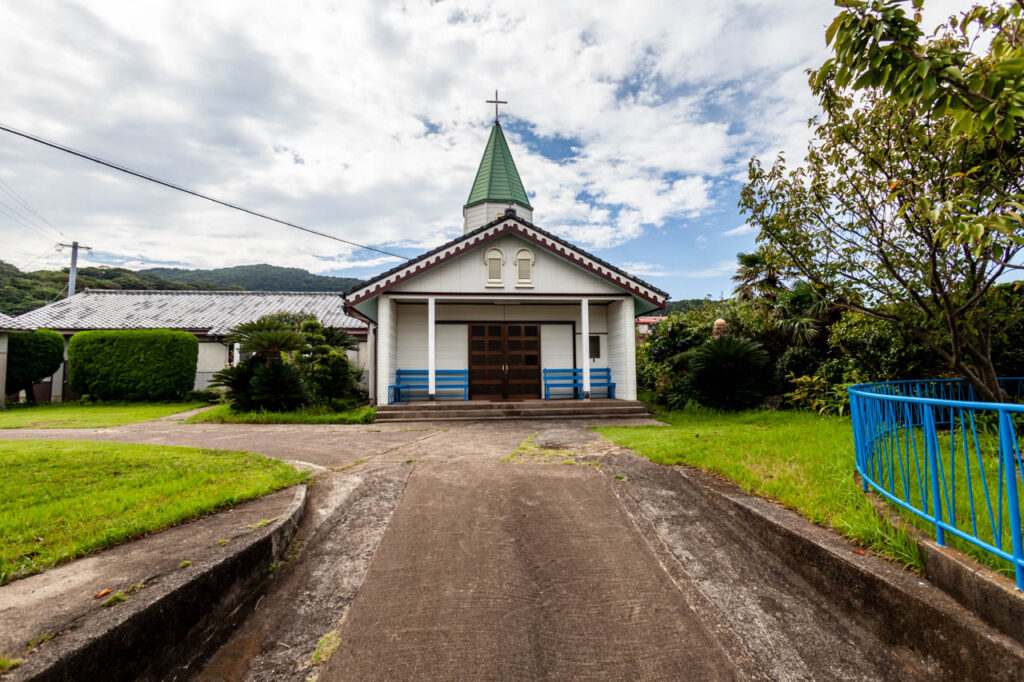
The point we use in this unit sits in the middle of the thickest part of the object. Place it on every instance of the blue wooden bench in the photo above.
(572, 379)
(410, 383)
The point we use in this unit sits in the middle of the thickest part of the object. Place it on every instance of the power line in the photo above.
(171, 185)
(14, 215)
(24, 268)
(10, 190)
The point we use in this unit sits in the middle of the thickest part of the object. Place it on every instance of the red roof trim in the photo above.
(511, 227)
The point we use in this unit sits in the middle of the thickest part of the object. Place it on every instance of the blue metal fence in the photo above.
(931, 448)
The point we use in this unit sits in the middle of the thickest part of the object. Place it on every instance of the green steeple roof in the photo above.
(497, 179)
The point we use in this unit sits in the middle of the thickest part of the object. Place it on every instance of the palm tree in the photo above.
(799, 313)
(266, 337)
(757, 275)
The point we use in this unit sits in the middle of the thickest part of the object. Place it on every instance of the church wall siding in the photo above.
(622, 348)
(467, 274)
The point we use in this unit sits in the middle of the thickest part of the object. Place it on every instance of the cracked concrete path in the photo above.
(511, 571)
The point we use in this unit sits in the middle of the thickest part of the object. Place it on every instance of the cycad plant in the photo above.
(266, 337)
(729, 373)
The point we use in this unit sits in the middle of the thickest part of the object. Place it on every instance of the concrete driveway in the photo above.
(434, 559)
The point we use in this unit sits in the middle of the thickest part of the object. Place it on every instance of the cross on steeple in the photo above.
(496, 102)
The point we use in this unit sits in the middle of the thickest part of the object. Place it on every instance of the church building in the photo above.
(507, 311)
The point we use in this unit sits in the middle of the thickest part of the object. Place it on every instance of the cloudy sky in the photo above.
(631, 124)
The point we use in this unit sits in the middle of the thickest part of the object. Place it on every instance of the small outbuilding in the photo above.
(210, 315)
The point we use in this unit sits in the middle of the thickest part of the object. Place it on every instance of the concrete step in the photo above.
(496, 417)
(474, 405)
(567, 412)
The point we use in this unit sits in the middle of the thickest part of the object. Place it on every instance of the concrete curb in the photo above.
(154, 632)
(903, 609)
(984, 591)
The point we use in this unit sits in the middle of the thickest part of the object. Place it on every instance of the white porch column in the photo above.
(370, 366)
(585, 345)
(3, 368)
(431, 349)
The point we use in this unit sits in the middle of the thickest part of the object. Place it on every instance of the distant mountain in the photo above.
(261, 277)
(24, 291)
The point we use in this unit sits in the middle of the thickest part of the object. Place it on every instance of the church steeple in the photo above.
(497, 186)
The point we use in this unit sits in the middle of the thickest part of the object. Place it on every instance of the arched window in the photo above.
(494, 259)
(524, 267)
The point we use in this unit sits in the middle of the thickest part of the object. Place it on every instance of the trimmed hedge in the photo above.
(32, 357)
(134, 364)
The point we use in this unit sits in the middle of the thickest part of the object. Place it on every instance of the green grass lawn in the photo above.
(800, 459)
(223, 414)
(62, 499)
(93, 415)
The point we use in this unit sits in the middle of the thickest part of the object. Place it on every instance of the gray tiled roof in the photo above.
(9, 324)
(212, 312)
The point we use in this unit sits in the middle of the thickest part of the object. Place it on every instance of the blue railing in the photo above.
(931, 448)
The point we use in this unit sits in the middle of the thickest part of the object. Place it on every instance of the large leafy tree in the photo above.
(856, 221)
(970, 73)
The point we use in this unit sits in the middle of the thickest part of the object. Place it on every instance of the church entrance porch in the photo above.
(504, 361)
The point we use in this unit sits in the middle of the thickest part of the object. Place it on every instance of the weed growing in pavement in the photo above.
(115, 598)
(185, 564)
(325, 647)
(40, 639)
(8, 663)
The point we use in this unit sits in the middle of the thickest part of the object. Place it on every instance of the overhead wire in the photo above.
(171, 185)
(17, 197)
(16, 216)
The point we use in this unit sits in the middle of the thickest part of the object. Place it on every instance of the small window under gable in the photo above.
(494, 259)
(524, 267)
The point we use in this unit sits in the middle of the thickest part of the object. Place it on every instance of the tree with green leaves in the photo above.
(969, 74)
(859, 220)
(32, 357)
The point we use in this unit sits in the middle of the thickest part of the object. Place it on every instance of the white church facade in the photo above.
(507, 311)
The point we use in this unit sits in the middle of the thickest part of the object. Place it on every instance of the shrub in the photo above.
(729, 373)
(208, 395)
(135, 364)
(325, 368)
(31, 357)
(277, 387)
(817, 395)
(254, 386)
(795, 360)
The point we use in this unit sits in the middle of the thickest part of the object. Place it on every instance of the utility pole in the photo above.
(73, 273)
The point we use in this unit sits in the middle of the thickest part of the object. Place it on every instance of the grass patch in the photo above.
(529, 452)
(223, 414)
(803, 460)
(115, 598)
(92, 415)
(7, 663)
(64, 499)
(325, 647)
(185, 564)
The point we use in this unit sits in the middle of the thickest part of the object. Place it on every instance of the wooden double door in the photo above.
(504, 361)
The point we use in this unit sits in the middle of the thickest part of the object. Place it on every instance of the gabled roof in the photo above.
(509, 224)
(209, 312)
(9, 324)
(497, 178)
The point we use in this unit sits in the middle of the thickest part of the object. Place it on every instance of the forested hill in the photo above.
(24, 291)
(261, 277)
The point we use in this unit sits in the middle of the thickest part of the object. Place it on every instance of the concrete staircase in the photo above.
(475, 410)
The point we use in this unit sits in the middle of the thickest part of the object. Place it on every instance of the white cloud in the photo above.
(366, 121)
(742, 229)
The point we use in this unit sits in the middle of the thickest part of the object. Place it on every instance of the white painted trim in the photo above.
(431, 349)
(468, 242)
(585, 331)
